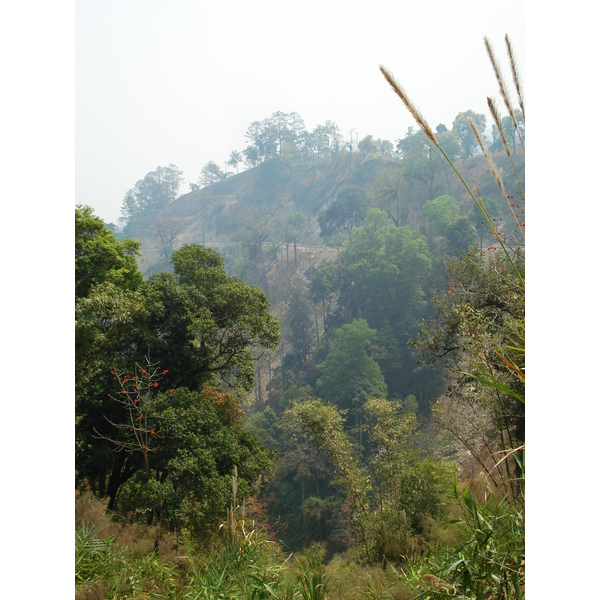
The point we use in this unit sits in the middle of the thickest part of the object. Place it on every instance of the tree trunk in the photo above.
(115, 481)
(154, 512)
(295, 256)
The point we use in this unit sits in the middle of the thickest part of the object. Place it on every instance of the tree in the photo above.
(288, 127)
(320, 288)
(393, 491)
(441, 212)
(346, 212)
(391, 195)
(347, 374)
(408, 489)
(385, 147)
(211, 173)
(100, 257)
(203, 323)
(324, 424)
(167, 230)
(251, 155)
(255, 227)
(294, 223)
(509, 131)
(137, 430)
(319, 137)
(382, 273)
(190, 442)
(105, 322)
(422, 165)
(158, 189)
(300, 322)
(383, 276)
(269, 136)
(460, 236)
(336, 138)
(368, 145)
(198, 321)
(466, 136)
(235, 158)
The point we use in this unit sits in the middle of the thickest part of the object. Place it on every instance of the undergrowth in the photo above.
(117, 561)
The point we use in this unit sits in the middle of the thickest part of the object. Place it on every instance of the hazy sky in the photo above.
(179, 82)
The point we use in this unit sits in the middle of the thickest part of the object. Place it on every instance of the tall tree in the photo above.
(199, 323)
(383, 275)
(320, 140)
(211, 173)
(510, 133)
(466, 136)
(300, 322)
(167, 230)
(152, 193)
(347, 374)
(422, 164)
(235, 158)
(320, 287)
(390, 193)
(255, 227)
(294, 223)
(347, 211)
(368, 145)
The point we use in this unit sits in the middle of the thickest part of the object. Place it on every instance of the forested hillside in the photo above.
(319, 356)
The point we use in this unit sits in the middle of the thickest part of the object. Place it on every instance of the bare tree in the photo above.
(138, 431)
(167, 231)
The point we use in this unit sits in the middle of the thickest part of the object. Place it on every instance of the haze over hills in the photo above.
(223, 212)
(317, 318)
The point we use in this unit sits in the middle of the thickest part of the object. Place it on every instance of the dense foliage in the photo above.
(166, 350)
(345, 382)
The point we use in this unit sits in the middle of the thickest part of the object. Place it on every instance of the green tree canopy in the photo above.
(441, 212)
(347, 374)
(203, 323)
(383, 271)
(100, 257)
(198, 323)
(383, 276)
(200, 440)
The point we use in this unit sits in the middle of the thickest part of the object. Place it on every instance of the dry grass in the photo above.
(349, 580)
(139, 539)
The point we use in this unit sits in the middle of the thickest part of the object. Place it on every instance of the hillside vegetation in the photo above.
(306, 380)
